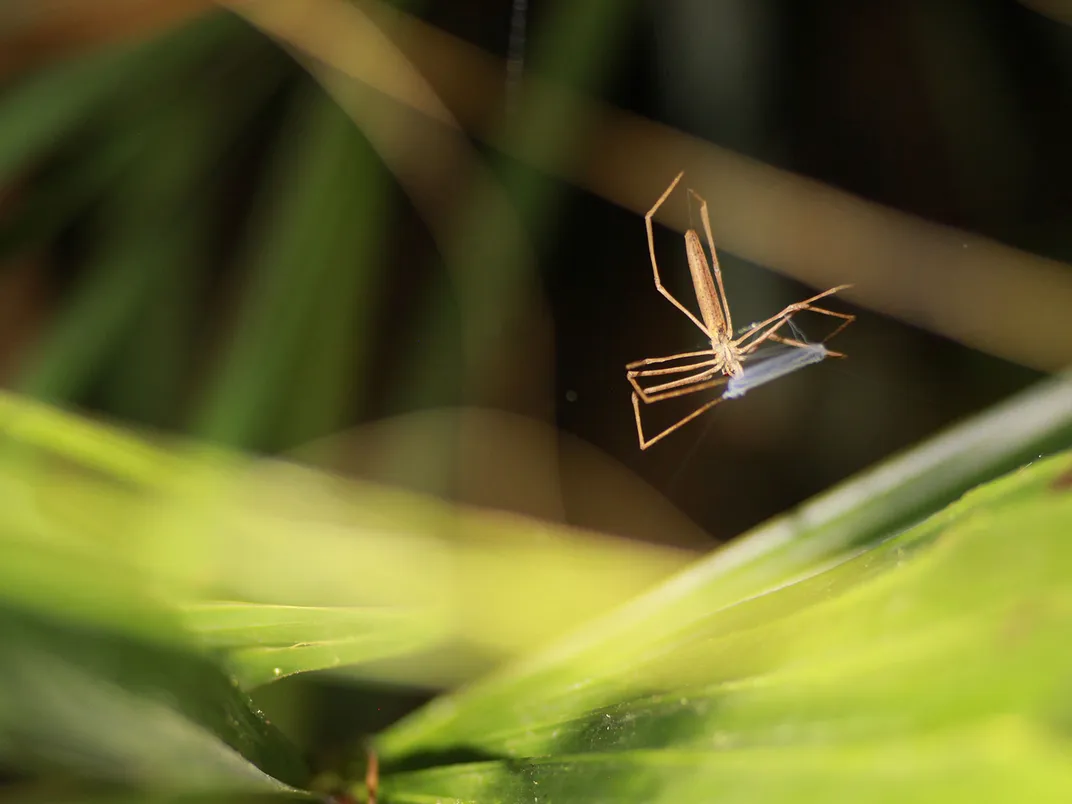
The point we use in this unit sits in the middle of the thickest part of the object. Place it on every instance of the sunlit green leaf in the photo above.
(933, 652)
(195, 526)
(1003, 760)
(265, 642)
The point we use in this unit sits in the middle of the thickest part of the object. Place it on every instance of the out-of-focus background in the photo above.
(406, 240)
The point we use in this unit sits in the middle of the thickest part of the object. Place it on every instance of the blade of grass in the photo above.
(1007, 760)
(362, 545)
(322, 174)
(950, 636)
(212, 526)
(122, 277)
(335, 343)
(155, 230)
(265, 643)
(103, 706)
(51, 792)
(41, 110)
(150, 366)
(860, 513)
(52, 200)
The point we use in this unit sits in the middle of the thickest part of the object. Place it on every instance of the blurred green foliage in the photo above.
(772, 669)
(878, 643)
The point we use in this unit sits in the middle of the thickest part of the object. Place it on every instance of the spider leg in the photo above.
(671, 370)
(800, 344)
(648, 361)
(704, 378)
(763, 330)
(685, 385)
(654, 263)
(647, 442)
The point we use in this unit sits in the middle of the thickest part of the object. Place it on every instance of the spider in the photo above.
(715, 366)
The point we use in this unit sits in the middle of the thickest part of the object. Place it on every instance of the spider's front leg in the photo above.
(767, 329)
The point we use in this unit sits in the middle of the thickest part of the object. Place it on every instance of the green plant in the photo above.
(902, 636)
(833, 655)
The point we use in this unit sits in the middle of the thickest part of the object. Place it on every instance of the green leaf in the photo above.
(1006, 760)
(155, 232)
(815, 643)
(312, 275)
(58, 194)
(100, 705)
(52, 792)
(40, 111)
(265, 642)
(864, 511)
(196, 526)
(931, 664)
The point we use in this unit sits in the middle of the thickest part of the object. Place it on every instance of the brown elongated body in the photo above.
(709, 368)
(704, 283)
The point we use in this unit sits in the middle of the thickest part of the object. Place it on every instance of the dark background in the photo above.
(958, 112)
